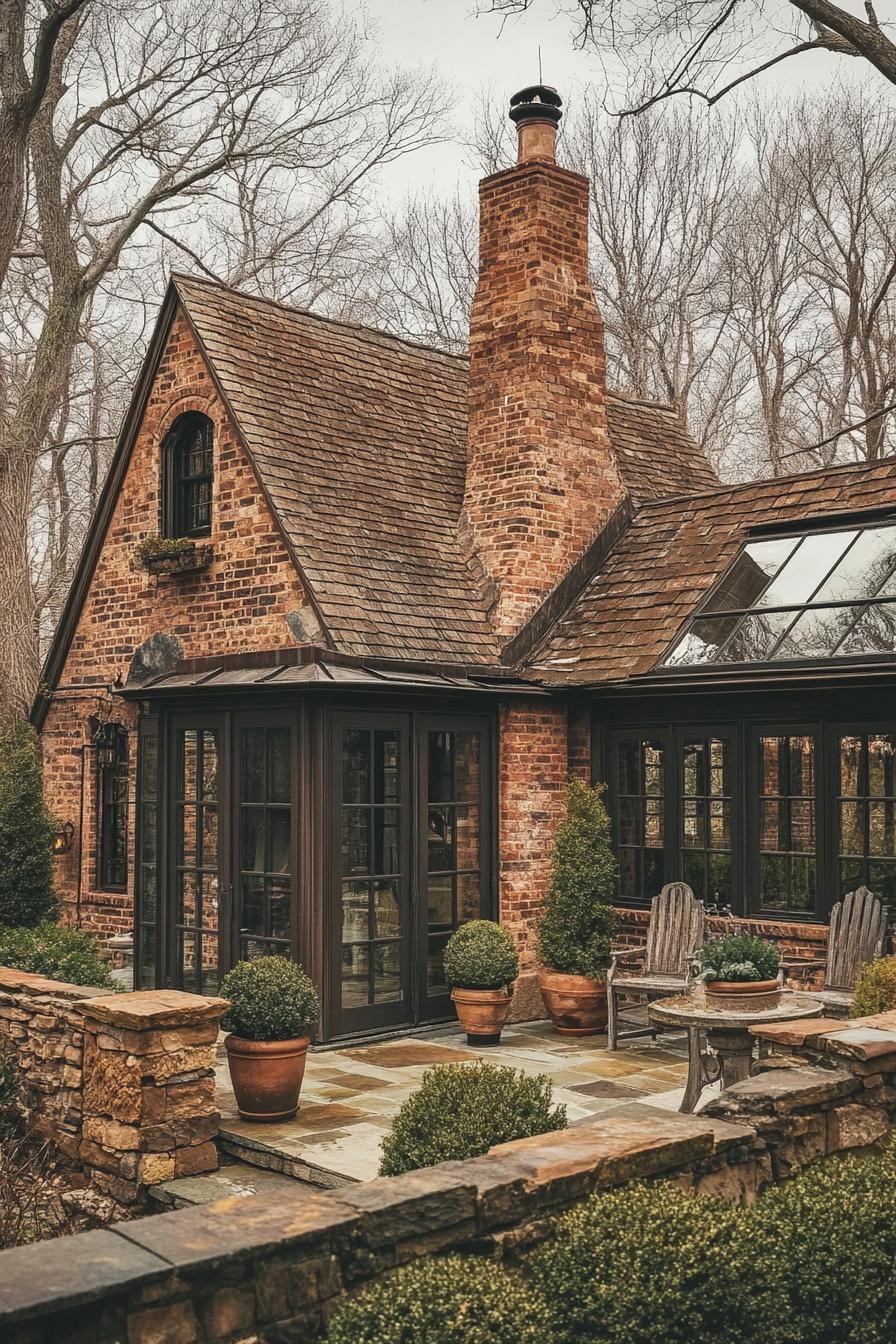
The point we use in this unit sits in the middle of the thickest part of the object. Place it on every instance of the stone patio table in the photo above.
(727, 1034)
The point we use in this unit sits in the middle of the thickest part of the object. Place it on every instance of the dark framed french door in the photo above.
(411, 854)
(217, 843)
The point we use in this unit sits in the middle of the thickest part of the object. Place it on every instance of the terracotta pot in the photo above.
(742, 995)
(577, 1005)
(266, 1076)
(482, 1013)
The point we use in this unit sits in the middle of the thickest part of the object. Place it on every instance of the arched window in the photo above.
(188, 477)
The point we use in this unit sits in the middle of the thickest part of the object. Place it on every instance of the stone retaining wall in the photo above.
(123, 1084)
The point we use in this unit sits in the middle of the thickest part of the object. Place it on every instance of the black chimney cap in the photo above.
(539, 102)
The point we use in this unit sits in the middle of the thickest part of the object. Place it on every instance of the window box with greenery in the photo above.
(172, 555)
(575, 930)
(481, 965)
(273, 1005)
(741, 972)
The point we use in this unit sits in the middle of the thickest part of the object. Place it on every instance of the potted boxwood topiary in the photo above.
(740, 971)
(480, 966)
(578, 922)
(272, 1006)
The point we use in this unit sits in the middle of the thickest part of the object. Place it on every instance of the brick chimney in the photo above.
(541, 474)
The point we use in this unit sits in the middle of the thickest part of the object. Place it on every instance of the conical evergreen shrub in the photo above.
(578, 922)
(26, 832)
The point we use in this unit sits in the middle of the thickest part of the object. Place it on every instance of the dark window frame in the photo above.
(112, 816)
(181, 488)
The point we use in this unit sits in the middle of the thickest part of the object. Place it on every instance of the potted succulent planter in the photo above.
(575, 930)
(272, 1006)
(741, 973)
(481, 965)
(172, 555)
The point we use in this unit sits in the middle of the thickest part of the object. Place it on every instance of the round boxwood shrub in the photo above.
(462, 1110)
(875, 988)
(450, 1300)
(480, 955)
(740, 956)
(575, 930)
(26, 832)
(271, 999)
(829, 1235)
(59, 953)
(647, 1263)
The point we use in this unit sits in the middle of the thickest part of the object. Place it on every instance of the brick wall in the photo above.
(239, 603)
(541, 473)
(122, 1084)
(532, 784)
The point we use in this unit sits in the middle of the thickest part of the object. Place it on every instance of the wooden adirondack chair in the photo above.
(855, 937)
(674, 940)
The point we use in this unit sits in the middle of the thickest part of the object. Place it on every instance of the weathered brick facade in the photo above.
(239, 603)
(542, 475)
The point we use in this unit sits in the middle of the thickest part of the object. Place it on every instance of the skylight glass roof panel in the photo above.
(755, 637)
(816, 633)
(806, 569)
(702, 641)
(746, 580)
(867, 564)
(874, 631)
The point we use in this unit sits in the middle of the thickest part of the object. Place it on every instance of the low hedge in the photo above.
(59, 953)
(461, 1111)
(875, 988)
(450, 1300)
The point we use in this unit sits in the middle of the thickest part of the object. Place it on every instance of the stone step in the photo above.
(235, 1180)
(270, 1155)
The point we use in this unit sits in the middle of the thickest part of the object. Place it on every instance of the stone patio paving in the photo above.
(350, 1094)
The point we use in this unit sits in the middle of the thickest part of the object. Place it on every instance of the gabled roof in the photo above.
(358, 440)
(628, 613)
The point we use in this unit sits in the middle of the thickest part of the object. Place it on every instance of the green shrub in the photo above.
(461, 1111)
(480, 955)
(645, 1264)
(59, 953)
(829, 1236)
(575, 930)
(26, 832)
(740, 956)
(10, 1092)
(450, 1300)
(875, 988)
(271, 999)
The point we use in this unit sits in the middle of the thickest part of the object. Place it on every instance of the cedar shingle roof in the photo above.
(359, 438)
(628, 614)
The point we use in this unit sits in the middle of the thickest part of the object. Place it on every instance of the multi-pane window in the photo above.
(147, 843)
(265, 841)
(640, 816)
(371, 856)
(866, 822)
(113, 811)
(820, 595)
(787, 842)
(196, 859)
(706, 823)
(189, 464)
(453, 878)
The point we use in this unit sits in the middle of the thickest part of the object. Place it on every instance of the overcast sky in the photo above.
(477, 54)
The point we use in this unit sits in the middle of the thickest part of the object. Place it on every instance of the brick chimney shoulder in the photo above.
(541, 472)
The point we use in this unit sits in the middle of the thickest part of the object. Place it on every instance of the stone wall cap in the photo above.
(150, 1008)
(782, 1090)
(861, 1042)
(50, 1276)
(800, 1033)
(25, 982)
(207, 1235)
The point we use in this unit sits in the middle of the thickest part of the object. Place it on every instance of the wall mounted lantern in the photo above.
(62, 839)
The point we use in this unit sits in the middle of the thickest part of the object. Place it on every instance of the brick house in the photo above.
(413, 593)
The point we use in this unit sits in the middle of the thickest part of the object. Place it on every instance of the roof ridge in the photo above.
(732, 487)
(294, 311)
(647, 404)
